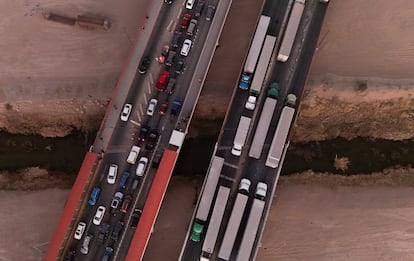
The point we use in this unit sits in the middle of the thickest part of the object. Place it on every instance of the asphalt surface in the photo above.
(124, 134)
(291, 76)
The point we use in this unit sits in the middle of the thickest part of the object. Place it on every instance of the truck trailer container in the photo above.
(291, 30)
(260, 74)
(264, 122)
(254, 52)
(241, 135)
(250, 231)
(262, 65)
(233, 226)
(209, 188)
(281, 133)
(215, 221)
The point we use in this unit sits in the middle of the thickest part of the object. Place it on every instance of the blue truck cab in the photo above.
(245, 81)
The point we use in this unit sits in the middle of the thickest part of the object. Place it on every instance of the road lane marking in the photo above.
(135, 123)
(169, 26)
(231, 165)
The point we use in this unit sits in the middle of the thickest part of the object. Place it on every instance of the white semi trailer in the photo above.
(291, 30)
(214, 224)
(233, 226)
(281, 133)
(250, 232)
(241, 135)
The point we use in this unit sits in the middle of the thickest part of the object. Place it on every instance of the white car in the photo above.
(133, 154)
(151, 107)
(189, 4)
(186, 47)
(126, 111)
(244, 185)
(100, 212)
(113, 171)
(251, 103)
(79, 230)
(142, 164)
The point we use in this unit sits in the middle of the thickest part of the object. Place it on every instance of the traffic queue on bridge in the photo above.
(209, 215)
(137, 159)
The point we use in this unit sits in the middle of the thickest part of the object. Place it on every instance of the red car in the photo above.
(163, 108)
(185, 21)
(125, 203)
(162, 80)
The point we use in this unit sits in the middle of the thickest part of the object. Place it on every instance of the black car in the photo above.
(210, 12)
(108, 253)
(135, 217)
(143, 132)
(179, 66)
(170, 58)
(157, 159)
(117, 230)
(70, 256)
(176, 39)
(170, 86)
(143, 66)
(103, 233)
(152, 139)
(198, 9)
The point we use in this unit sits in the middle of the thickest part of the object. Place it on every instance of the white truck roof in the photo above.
(261, 190)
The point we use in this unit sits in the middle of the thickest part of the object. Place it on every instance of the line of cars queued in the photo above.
(120, 201)
(173, 66)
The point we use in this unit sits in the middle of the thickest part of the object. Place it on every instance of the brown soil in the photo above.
(341, 218)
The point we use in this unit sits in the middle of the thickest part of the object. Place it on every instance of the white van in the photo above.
(133, 154)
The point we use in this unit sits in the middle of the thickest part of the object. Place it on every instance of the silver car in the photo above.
(85, 245)
(117, 200)
(151, 107)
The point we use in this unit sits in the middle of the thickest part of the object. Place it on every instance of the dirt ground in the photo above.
(316, 222)
(361, 81)
(57, 78)
(28, 220)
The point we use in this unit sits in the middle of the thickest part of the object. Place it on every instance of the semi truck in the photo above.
(260, 74)
(206, 198)
(250, 231)
(209, 188)
(254, 52)
(241, 135)
(233, 226)
(281, 133)
(214, 224)
(291, 30)
(264, 122)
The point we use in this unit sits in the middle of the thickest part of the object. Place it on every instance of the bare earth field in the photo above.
(316, 222)
(27, 222)
(57, 78)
